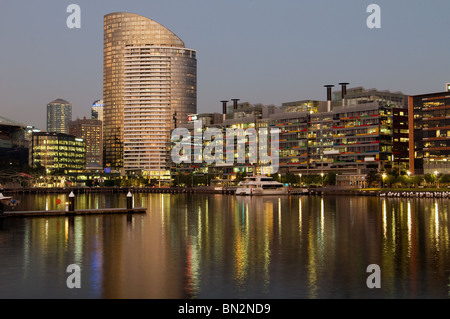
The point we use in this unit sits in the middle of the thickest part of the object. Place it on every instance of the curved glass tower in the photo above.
(148, 76)
(59, 114)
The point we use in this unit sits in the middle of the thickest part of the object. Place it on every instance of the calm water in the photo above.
(221, 246)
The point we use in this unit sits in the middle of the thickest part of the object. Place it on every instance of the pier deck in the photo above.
(102, 211)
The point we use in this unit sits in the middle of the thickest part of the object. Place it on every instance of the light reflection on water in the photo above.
(221, 246)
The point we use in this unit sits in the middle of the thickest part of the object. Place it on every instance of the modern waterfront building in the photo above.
(58, 151)
(360, 95)
(308, 106)
(149, 87)
(238, 116)
(363, 131)
(351, 139)
(393, 120)
(429, 133)
(91, 132)
(59, 113)
(400, 140)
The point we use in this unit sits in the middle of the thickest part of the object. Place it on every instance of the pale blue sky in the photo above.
(261, 51)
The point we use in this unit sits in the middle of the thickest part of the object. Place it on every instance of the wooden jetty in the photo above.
(71, 211)
(46, 213)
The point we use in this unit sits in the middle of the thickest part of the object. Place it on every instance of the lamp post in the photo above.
(321, 174)
(300, 177)
(384, 177)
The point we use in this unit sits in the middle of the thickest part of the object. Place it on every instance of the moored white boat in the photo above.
(261, 185)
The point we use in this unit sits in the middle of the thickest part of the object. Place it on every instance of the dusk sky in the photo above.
(260, 51)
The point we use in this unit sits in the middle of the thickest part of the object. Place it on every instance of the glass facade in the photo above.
(400, 136)
(293, 137)
(352, 139)
(91, 132)
(148, 77)
(59, 113)
(97, 110)
(430, 133)
(309, 106)
(58, 151)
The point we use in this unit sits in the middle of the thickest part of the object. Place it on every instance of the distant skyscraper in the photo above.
(59, 113)
(148, 76)
(97, 110)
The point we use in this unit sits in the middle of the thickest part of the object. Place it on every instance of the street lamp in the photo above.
(383, 176)
(300, 176)
(321, 174)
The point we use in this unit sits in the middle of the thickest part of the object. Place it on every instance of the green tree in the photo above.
(38, 170)
(239, 177)
(430, 179)
(444, 179)
(153, 182)
(291, 178)
(404, 180)
(373, 179)
(416, 180)
(391, 179)
(117, 181)
(109, 183)
(276, 177)
(330, 178)
(175, 179)
(312, 179)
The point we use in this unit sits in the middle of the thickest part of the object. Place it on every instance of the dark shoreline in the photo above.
(228, 190)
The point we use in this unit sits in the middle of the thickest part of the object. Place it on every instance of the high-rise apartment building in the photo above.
(366, 133)
(149, 79)
(429, 133)
(59, 113)
(393, 116)
(91, 132)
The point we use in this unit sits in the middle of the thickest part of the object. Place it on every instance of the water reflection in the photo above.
(215, 246)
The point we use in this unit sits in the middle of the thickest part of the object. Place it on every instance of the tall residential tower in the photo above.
(149, 78)
(59, 113)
